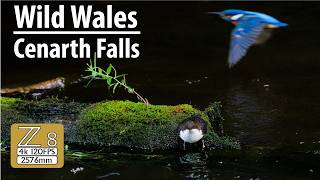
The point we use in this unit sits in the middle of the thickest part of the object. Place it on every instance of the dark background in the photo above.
(184, 60)
(270, 99)
(182, 37)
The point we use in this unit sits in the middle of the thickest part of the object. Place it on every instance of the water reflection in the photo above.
(108, 175)
(193, 165)
(251, 113)
(279, 115)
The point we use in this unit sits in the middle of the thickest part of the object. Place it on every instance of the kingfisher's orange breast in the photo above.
(271, 26)
(234, 22)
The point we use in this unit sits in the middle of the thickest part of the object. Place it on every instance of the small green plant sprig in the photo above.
(112, 78)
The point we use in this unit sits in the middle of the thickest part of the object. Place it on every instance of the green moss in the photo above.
(125, 123)
(131, 113)
(6, 102)
(225, 142)
(9, 115)
(135, 125)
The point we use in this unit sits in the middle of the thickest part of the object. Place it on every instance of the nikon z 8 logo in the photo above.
(37, 145)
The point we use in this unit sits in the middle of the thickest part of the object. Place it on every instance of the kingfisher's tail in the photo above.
(264, 36)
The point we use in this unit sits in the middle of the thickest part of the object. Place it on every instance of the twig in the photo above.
(114, 80)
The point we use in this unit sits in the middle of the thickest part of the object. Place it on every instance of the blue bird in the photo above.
(251, 28)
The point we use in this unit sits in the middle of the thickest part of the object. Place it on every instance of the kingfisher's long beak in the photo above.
(218, 13)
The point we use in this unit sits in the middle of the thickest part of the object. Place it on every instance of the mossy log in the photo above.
(122, 124)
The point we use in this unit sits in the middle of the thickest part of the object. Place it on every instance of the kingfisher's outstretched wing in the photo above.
(243, 36)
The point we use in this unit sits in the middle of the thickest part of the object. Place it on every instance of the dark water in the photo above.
(270, 100)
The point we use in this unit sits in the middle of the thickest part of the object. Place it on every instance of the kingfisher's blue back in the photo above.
(249, 27)
(264, 17)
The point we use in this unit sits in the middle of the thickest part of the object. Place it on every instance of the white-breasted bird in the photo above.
(192, 130)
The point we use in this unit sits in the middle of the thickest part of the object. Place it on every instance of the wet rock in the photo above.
(214, 113)
(51, 110)
(114, 124)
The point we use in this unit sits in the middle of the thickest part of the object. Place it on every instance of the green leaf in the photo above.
(109, 80)
(93, 74)
(100, 70)
(109, 69)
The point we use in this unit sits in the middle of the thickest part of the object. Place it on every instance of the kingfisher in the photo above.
(250, 28)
